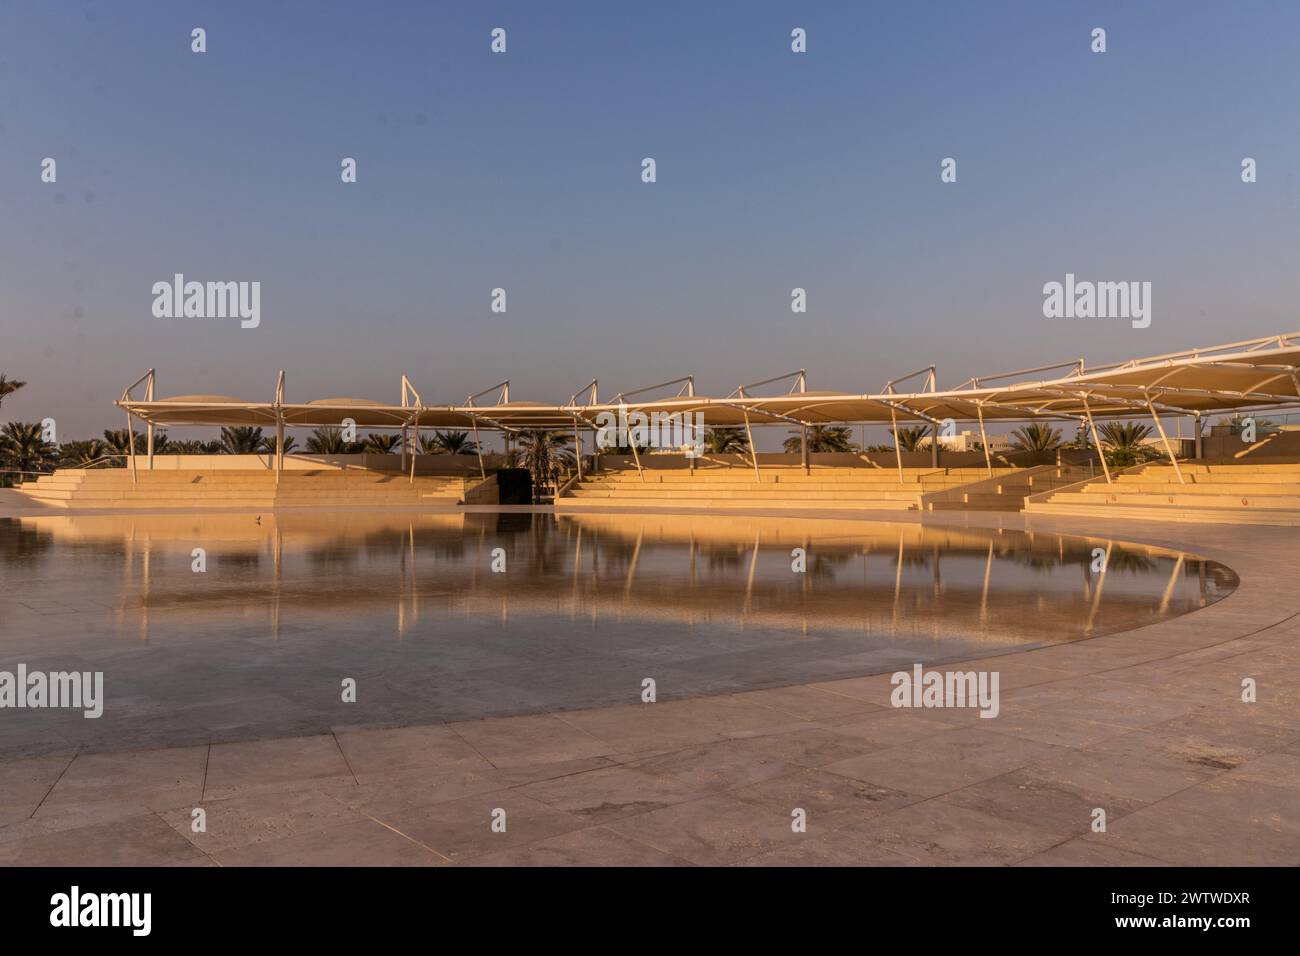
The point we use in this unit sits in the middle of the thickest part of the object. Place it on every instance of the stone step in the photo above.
(1173, 487)
(1230, 502)
(675, 494)
(842, 504)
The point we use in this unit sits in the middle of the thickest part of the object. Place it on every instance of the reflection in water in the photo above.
(588, 605)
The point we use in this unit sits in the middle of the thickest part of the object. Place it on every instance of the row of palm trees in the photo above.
(23, 447)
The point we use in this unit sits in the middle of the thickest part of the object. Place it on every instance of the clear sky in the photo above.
(523, 171)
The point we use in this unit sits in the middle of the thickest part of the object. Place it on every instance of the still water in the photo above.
(409, 606)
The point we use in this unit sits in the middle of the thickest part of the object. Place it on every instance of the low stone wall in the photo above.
(466, 465)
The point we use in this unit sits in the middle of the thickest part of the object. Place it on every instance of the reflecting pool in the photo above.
(235, 625)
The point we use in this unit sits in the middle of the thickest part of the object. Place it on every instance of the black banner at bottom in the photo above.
(340, 905)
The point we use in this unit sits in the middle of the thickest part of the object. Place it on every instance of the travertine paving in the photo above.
(1148, 725)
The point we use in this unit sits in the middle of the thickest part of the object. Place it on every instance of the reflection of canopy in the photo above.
(1261, 373)
(891, 579)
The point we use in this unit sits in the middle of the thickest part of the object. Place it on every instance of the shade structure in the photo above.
(1256, 374)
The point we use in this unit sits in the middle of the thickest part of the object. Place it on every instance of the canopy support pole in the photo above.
(279, 446)
(984, 439)
(577, 444)
(130, 447)
(803, 447)
(1169, 449)
(478, 448)
(1200, 445)
(898, 452)
(148, 397)
(753, 452)
(415, 445)
(636, 456)
(1096, 442)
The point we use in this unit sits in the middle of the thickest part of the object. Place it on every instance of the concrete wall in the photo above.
(304, 461)
(913, 459)
(1280, 445)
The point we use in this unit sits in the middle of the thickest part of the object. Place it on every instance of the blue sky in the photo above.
(522, 171)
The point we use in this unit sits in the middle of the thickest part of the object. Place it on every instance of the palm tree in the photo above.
(1125, 443)
(726, 440)
(269, 444)
(544, 453)
(80, 454)
(241, 440)
(822, 438)
(327, 441)
(23, 447)
(381, 443)
(8, 386)
(448, 443)
(120, 447)
(1038, 438)
(909, 439)
(190, 446)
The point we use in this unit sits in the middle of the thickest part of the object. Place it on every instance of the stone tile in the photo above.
(1052, 726)
(462, 828)
(155, 779)
(514, 741)
(24, 784)
(1117, 780)
(1081, 852)
(1201, 748)
(1218, 823)
(938, 834)
(144, 840)
(380, 796)
(830, 800)
(363, 843)
(282, 763)
(806, 702)
(1280, 769)
(430, 747)
(593, 846)
(716, 766)
(610, 793)
(258, 817)
(946, 762)
(1054, 808)
(890, 728)
(713, 831)
(827, 850)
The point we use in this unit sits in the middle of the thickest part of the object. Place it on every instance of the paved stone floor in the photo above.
(1148, 725)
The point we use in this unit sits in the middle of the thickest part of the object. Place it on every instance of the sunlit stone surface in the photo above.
(589, 605)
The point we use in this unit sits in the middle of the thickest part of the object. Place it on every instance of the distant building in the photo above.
(970, 441)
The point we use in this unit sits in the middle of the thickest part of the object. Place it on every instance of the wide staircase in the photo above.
(1235, 492)
(112, 488)
(1004, 492)
(776, 486)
